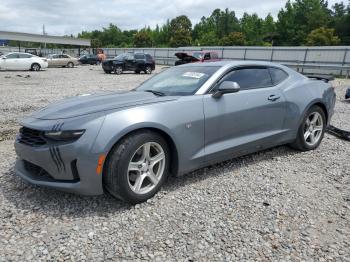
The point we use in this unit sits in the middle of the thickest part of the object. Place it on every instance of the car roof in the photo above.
(19, 53)
(235, 63)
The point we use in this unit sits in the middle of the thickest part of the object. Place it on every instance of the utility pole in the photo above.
(44, 33)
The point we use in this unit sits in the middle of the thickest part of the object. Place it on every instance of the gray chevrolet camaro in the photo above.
(182, 119)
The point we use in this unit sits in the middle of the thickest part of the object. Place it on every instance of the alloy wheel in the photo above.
(36, 67)
(146, 168)
(148, 70)
(313, 128)
(118, 70)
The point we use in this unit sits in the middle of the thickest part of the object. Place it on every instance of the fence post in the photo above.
(222, 53)
(168, 57)
(271, 59)
(245, 53)
(305, 56)
(343, 63)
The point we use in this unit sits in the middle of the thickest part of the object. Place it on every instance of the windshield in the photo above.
(179, 81)
(120, 57)
(197, 55)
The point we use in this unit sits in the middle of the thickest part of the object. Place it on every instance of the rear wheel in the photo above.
(137, 71)
(311, 130)
(107, 71)
(35, 67)
(70, 65)
(137, 167)
(118, 69)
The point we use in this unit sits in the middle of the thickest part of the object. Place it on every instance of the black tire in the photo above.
(107, 71)
(137, 71)
(148, 69)
(35, 67)
(118, 69)
(115, 175)
(300, 142)
(70, 65)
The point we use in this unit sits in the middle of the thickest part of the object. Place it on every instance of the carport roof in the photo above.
(63, 40)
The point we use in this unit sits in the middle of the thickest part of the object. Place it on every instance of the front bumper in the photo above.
(107, 66)
(347, 94)
(69, 167)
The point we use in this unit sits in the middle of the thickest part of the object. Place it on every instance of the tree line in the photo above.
(301, 22)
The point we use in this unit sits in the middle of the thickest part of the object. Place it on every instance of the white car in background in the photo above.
(22, 61)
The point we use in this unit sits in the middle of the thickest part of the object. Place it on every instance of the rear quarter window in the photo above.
(277, 75)
(139, 56)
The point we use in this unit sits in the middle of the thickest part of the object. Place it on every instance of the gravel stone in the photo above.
(275, 205)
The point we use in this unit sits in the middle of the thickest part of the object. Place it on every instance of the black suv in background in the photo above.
(89, 59)
(130, 62)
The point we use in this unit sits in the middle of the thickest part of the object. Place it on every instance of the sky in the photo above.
(65, 17)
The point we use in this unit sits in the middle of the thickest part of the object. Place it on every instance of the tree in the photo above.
(299, 18)
(322, 36)
(269, 33)
(180, 31)
(341, 22)
(208, 39)
(142, 39)
(252, 27)
(233, 39)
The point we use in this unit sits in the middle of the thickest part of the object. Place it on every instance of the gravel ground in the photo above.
(278, 205)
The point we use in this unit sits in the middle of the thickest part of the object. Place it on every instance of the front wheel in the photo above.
(137, 167)
(118, 70)
(148, 70)
(35, 67)
(70, 65)
(311, 130)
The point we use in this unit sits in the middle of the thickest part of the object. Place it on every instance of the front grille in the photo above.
(37, 172)
(31, 137)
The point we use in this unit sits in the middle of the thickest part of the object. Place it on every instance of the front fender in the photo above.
(182, 120)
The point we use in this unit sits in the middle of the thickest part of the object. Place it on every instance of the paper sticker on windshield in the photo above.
(193, 75)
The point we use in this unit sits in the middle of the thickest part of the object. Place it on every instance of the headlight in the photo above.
(64, 135)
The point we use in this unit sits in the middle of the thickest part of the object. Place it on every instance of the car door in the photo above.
(63, 61)
(243, 122)
(130, 62)
(11, 62)
(25, 61)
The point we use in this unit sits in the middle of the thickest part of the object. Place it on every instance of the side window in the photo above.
(139, 56)
(250, 78)
(277, 75)
(24, 56)
(130, 57)
(149, 57)
(12, 56)
(63, 56)
(207, 56)
(214, 56)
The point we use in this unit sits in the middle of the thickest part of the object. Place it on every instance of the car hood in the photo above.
(89, 104)
(183, 56)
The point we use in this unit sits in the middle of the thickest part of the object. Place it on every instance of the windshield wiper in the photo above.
(157, 93)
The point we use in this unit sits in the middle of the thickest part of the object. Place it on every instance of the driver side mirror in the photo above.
(226, 87)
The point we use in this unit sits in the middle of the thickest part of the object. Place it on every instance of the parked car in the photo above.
(138, 62)
(90, 59)
(195, 57)
(347, 94)
(63, 60)
(22, 61)
(182, 119)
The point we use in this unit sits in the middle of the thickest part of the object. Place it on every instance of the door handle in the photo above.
(273, 98)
